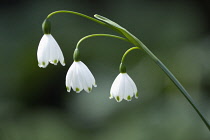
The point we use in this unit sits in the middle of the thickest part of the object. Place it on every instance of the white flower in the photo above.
(123, 87)
(49, 51)
(79, 77)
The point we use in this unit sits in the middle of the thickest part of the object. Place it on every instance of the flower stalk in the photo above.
(98, 35)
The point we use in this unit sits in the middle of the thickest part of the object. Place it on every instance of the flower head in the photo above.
(49, 51)
(123, 87)
(79, 77)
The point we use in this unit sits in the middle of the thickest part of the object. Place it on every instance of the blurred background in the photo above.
(34, 103)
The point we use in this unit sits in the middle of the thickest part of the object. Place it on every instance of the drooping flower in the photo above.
(123, 87)
(49, 51)
(79, 77)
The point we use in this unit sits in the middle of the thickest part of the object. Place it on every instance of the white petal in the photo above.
(59, 54)
(121, 88)
(73, 67)
(88, 75)
(61, 58)
(76, 82)
(69, 78)
(43, 52)
(132, 84)
(115, 85)
(54, 50)
(80, 78)
(128, 90)
(89, 79)
(116, 88)
(86, 84)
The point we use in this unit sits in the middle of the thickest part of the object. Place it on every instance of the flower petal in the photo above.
(115, 85)
(132, 84)
(43, 52)
(89, 75)
(87, 85)
(69, 77)
(128, 90)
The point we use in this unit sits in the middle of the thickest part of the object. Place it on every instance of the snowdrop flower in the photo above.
(49, 51)
(79, 77)
(123, 87)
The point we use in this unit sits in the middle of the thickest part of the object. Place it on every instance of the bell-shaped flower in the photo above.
(123, 87)
(49, 51)
(79, 77)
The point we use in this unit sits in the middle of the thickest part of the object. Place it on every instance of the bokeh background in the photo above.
(34, 104)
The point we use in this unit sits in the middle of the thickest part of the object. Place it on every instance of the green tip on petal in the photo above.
(89, 89)
(110, 97)
(43, 63)
(77, 89)
(137, 95)
(55, 61)
(118, 98)
(67, 88)
(129, 98)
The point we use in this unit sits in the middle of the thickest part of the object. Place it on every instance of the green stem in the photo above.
(122, 67)
(82, 15)
(76, 13)
(125, 54)
(176, 82)
(95, 35)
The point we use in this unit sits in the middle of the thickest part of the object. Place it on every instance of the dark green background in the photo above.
(34, 104)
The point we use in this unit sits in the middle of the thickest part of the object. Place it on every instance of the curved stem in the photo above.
(82, 15)
(76, 13)
(175, 81)
(124, 55)
(95, 35)
(122, 68)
